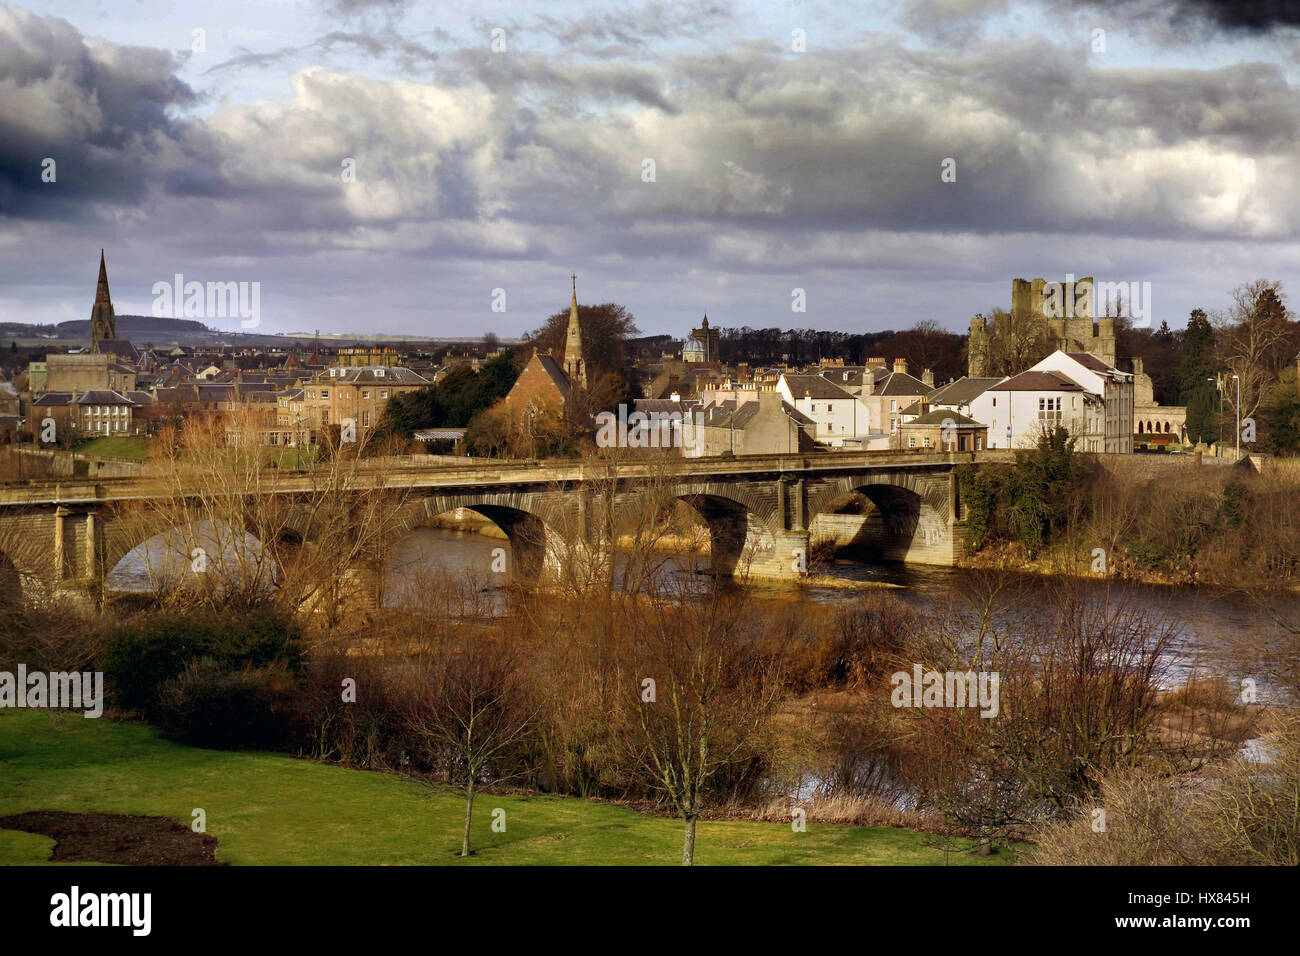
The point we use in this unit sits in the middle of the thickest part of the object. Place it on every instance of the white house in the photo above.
(838, 416)
(1112, 431)
(1091, 400)
(1018, 409)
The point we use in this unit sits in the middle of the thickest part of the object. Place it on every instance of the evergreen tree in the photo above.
(1196, 366)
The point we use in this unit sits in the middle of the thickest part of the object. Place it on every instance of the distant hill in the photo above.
(132, 325)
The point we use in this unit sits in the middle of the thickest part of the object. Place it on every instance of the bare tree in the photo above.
(239, 530)
(476, 709)
(704, 698)
(1253, 337)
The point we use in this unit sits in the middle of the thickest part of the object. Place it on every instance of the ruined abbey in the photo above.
(1065, 309)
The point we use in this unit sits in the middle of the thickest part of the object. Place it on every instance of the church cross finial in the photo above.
(574, 277)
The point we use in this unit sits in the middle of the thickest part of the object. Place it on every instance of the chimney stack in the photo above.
(900, 365)
(928, 377)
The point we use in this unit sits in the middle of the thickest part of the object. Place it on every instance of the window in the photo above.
(383, 393)
(911, 442)
(893, 404)
(979, 443)
(365, 419)
(927, 442)
(365, 393)
(324, 393)
(995, 403)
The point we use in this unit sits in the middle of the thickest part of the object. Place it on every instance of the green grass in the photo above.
(272, 809)
(122, 446)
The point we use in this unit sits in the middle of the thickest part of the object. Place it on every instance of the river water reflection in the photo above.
(1208, 620)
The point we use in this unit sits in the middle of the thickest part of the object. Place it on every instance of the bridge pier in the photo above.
(776, 556)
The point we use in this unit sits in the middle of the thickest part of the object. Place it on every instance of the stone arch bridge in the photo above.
(759, 509)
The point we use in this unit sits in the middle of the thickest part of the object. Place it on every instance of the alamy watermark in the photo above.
(67, 690)
(212, 300)
(647, 429)
(920, 688)
(1093, 299)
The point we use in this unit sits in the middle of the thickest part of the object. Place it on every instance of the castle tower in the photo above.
(103, 322)
(575, 366)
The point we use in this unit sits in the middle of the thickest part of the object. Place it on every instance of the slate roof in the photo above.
(102, 396)
(1039, 382)
(1090, 362)
(900, 383)
(53, 399)
(814, 386)
(556, 374)
(725, 414)
(940, 416)
(366, 375)
(961, 392)
(664, 406)
(845, 376)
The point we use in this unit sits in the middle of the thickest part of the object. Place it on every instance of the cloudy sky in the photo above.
(493, 145)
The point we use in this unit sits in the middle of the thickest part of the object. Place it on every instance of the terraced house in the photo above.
(359, 395)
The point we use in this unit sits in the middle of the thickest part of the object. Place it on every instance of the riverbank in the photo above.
(1078, 562)
(272, 809)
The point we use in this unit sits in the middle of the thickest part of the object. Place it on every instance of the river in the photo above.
(1208, 620)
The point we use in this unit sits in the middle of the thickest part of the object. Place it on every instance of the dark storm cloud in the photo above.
(99, 111)
(1248, 16)
(769, 164)
(1256, 15)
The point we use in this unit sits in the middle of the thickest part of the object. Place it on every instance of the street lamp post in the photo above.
(1238, 378)
(1218, 387)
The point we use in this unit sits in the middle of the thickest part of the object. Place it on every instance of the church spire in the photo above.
(103, 321)
(575, 365)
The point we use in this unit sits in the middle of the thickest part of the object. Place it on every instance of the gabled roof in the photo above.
(900, 383)
(664, 406)
(1090, 362)
(371, 375)
(53, 399)
(556, 374)
(102, 396)
(941, 416)
(1038, 382)
(814, 386)
(961, 392)
(726, 414)
(845, 376)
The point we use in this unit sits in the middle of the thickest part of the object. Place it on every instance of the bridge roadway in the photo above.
(758, 508)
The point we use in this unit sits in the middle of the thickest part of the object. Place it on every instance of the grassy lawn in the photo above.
(272, 809)
(123, 446)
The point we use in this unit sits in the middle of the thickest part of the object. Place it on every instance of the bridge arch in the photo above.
(136, 554)
(525, 522)
(909, 522)
(740, 523)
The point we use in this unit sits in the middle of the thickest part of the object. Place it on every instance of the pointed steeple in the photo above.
(103, 321)
(575, 366)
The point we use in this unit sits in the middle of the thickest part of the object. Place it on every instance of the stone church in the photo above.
(545, 381)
